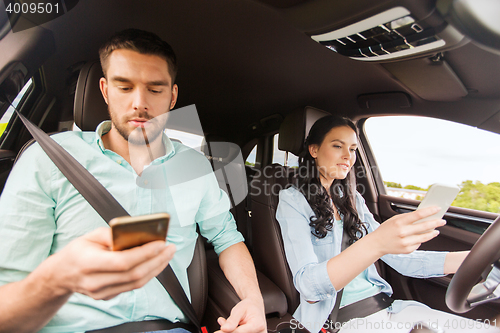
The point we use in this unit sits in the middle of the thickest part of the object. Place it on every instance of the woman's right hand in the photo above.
(397, 235)
(400, 234)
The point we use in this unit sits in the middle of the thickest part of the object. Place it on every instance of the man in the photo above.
(56, 270)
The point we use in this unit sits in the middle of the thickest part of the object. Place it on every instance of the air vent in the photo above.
(391, 34)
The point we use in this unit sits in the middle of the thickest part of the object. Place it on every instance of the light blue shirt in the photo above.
(359, 288)
(308, 256)
(42, 212)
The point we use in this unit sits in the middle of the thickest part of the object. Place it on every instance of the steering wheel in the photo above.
(462, 294)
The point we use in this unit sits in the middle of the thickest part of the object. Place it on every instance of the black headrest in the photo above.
(295, 128)
(208, 139)
(90, 107)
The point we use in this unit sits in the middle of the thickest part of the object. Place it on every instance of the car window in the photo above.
(250, 161)
(279, 156)
(7, 116)
(412, 153)
(189, 139)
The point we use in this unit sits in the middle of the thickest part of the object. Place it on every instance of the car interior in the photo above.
(261, 69)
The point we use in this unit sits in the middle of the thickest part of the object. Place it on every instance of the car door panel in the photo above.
(6, 162)
(463, 229)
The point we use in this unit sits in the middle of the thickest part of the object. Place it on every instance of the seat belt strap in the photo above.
(335, 312)
(104, 204)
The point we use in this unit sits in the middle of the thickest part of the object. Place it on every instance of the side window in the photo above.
(279, 156)
(7, 116)
(252, 157)
(189, 139)
(412, 153)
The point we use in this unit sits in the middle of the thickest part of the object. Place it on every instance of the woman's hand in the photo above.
(400, 234)
(397, 235)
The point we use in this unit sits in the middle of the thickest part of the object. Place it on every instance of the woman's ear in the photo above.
(313, 150)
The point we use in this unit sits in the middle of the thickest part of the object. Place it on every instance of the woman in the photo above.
(313, 215)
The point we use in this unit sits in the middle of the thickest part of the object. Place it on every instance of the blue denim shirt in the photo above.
(308, 256)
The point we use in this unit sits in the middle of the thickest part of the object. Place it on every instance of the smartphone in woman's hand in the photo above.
(440, 195)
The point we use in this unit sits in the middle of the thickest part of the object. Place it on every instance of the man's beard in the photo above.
(141, 135)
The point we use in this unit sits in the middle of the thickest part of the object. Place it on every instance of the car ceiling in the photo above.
(251, 62)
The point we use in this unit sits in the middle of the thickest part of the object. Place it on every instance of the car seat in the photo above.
(268, 249)
(90, 109)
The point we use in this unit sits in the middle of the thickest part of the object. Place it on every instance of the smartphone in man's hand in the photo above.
(131, 231)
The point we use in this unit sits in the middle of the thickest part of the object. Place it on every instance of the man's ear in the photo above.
(313, 150)
(175, 92)
(103, 85)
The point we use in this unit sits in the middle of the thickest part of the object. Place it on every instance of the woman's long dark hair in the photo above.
(342, 191)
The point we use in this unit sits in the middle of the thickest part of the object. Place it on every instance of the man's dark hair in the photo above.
(140, 41)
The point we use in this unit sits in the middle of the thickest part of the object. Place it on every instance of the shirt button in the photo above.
(119, 161)
(146, 182)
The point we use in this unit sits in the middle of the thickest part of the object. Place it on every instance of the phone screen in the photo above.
(131, 231)
(441, 195)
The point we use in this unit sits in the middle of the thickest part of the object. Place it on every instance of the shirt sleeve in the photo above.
(27, 211)
(216, 222)
(419, 264)
(310, 276)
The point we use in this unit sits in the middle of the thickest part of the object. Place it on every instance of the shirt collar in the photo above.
(105, 127)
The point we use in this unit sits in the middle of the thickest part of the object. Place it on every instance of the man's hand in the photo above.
(246, 316)
(88, 266)
(249, 314)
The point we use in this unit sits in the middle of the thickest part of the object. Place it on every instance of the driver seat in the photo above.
(268, 249)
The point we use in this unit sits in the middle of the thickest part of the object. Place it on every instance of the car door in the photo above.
(7, 133)
(401, 157)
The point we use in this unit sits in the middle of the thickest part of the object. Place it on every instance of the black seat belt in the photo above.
(335, 312)
(105, 205)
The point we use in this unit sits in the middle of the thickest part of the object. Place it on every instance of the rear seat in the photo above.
(231, 174)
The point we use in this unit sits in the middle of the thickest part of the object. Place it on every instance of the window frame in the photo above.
(15, 131)
(456, 216)
(368, 159)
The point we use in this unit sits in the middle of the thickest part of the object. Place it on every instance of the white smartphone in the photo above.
(441, 195)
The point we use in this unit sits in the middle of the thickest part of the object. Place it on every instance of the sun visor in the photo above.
(431, 78)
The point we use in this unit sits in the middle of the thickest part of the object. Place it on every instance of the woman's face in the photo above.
(336, 154)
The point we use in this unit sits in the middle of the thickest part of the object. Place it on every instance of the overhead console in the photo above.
(410, 39)
(369, 30)
(391, 34)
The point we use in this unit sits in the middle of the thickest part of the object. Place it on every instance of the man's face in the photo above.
(137, 90)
